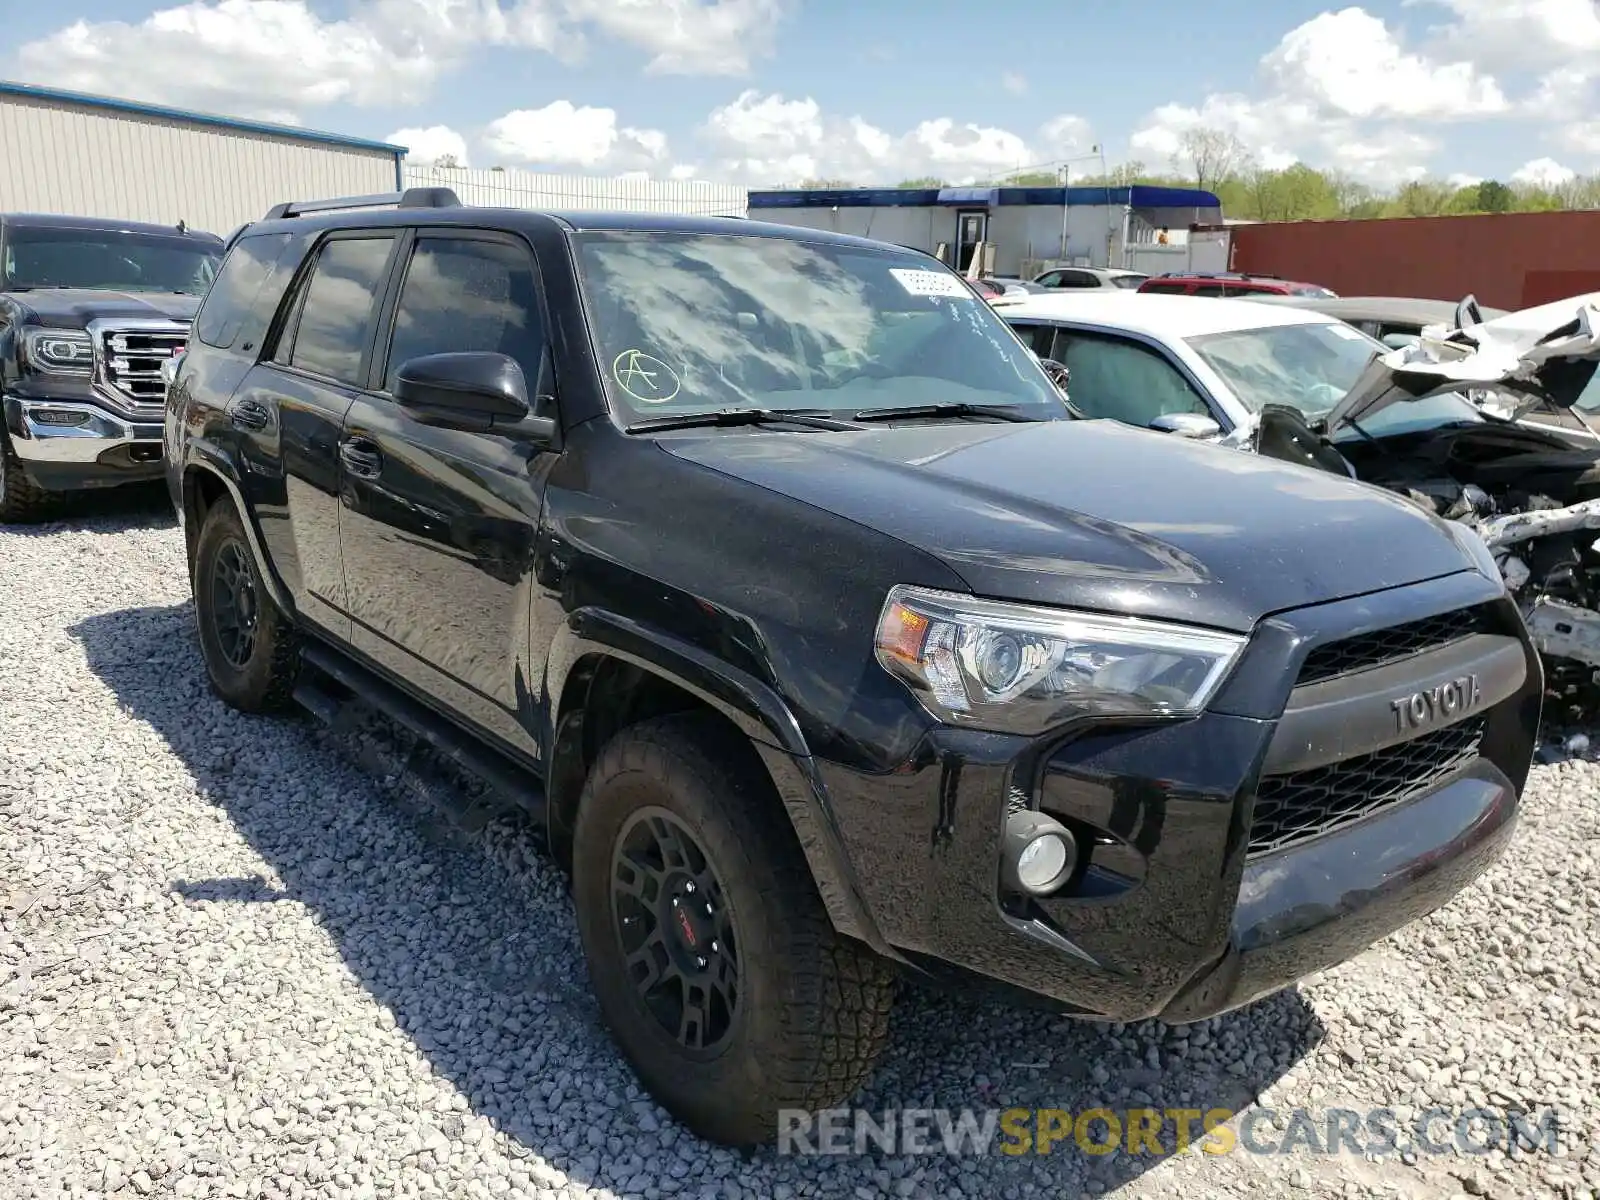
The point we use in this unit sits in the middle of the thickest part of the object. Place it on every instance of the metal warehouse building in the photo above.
(64, 152)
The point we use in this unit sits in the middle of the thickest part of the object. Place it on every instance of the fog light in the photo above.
(58, 416)
(1039, 853)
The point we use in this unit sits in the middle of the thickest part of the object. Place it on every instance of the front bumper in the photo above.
(100, 450)
(1187, 908)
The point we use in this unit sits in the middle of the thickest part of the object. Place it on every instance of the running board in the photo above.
(516, 788)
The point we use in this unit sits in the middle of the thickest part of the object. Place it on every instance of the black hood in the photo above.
(1097, 515)
(73, 308)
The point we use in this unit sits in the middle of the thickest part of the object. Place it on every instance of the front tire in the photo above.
(21, 500)
(251, 653)
(712, 957)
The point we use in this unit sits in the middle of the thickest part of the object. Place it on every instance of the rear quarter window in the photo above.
(241, 301)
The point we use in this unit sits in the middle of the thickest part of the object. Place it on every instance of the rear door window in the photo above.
(1173, 288)
(335, 325)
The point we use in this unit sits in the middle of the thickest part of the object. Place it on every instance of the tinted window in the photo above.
(466, 294)
(1037, 338)
(1210, 289)
(107, 259)
(1079, 279)
(1168, 288)
(1051, 279)
(234, 296)
(340, 302)
(1123, 381)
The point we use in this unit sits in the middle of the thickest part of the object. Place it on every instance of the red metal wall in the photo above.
(1508, 260)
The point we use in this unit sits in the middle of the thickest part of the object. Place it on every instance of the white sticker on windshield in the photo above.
(1344, 331)
(931, 283)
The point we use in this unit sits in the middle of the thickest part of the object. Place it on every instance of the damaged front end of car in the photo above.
(1530, 491)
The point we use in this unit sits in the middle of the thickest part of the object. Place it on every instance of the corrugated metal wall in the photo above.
(91, 162)
(525, 189)
(1508, 260)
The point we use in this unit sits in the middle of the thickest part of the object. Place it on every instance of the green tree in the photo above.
(1494, 197)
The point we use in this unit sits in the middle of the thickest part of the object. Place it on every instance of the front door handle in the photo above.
(361, 458)
(250, 414)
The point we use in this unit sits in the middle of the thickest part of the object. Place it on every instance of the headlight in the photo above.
(1470, 540)
(1019, 669)
(58, 351)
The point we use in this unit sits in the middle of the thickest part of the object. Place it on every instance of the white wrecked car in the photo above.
(1441, 421)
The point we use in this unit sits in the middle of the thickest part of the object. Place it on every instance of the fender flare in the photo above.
(757, 711)
(202, 459)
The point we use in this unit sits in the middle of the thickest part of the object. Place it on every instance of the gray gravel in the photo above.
(244, 957)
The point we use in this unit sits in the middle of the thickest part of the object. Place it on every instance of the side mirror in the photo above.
(1057, 371)
(476, 391)
(1188, 425)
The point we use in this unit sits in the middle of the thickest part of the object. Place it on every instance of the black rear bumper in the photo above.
(1188, 905)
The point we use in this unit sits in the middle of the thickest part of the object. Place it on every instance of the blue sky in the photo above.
(770, 91)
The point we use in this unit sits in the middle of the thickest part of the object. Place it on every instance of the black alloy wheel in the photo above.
(235, 607)
(671, 917)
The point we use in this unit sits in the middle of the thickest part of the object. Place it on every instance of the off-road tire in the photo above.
(22, 501)
(814, 1007)
(265, 681)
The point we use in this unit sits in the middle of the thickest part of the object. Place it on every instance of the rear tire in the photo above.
(251, 651)
(792, 1016)
(22, 501)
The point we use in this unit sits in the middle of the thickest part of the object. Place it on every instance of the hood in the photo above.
(73, 308)
(1099, 515)
(1541, 355)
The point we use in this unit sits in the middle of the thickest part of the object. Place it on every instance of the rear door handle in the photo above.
(250, 414)
(361, 458)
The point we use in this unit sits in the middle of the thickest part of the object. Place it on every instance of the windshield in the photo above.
(695, 323)
(1128, 281)
(106, 260)
(1311, 368)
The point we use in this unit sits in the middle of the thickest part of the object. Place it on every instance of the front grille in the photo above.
(1389, 645)
(1302, 805)
(130, 359)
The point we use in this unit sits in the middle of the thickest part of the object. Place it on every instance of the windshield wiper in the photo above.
(955, 409)
(813, 418)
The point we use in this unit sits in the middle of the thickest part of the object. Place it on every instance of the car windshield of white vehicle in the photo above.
(105, 260)
(688, 324)
(1310, 367)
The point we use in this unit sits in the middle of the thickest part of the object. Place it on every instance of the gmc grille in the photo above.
(1294, 808)
(1381, 646)
(129, 362)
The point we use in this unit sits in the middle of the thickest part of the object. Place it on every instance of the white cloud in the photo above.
(1461, 179)
(562, 135)
(1510, 35)
(1543, 172)
(1340, 91)
(1349, 63)
(768, 139)
(425, 147)
(687, 37)
(276, 59)
(1066, 136)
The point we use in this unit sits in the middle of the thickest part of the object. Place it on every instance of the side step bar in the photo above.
(512, 783)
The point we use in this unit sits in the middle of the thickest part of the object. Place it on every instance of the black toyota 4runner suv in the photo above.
(768, 568)
(90, 310)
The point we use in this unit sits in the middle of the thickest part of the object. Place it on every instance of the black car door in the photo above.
(295, 403)
(438, 525)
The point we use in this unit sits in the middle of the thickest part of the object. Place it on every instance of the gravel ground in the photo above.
(245, 957)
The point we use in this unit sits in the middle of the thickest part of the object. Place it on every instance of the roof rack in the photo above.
(422, 197)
